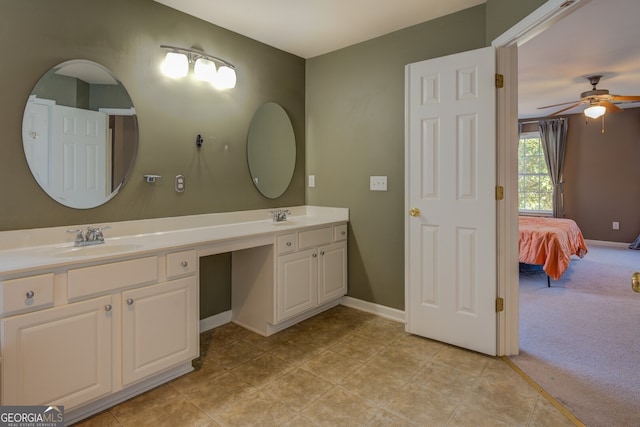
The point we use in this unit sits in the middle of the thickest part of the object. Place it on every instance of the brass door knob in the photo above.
(635, 282)
(414, 212)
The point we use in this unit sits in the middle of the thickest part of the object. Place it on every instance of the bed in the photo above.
(550, 242)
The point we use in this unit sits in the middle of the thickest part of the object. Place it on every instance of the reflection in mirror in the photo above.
(80, 134)
(271, 150)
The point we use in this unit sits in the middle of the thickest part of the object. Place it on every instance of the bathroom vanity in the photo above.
(87, 327)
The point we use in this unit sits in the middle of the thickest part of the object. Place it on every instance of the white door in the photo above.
(450, 228)
(79, 150)
(35, 138)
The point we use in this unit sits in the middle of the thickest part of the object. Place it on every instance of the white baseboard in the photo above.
(377, 309)
(605, 243)
(369, 307)
(215, 321)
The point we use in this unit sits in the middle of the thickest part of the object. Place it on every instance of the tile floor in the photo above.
(343, 367)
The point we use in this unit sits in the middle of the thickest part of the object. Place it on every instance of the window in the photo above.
(535, 191)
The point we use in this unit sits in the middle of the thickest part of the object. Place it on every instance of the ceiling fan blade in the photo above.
(557, 105)
(625, 98)
(611, 108)
(565, 109)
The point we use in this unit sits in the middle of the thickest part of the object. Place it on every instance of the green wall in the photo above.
(503, 14)
(354, 125)
(355, 129)
(125, 36)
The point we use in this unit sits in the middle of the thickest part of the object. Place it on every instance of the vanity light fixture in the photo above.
(177, 60)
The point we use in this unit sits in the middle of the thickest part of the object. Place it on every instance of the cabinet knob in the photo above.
(30, 294)
(107, 307)
(343, 232)
(288, 243)
(321, 252)
(184, 263)
(130, 301)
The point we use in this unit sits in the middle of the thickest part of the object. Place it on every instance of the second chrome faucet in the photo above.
(92, 236)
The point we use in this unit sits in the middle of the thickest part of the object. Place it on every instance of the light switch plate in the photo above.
(378, 183)
(312, 181)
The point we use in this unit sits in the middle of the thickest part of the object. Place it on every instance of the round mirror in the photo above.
(271, 150)
(80, 134)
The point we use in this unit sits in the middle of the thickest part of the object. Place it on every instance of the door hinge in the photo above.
(499, 192)
(499, 81)
(499, 305)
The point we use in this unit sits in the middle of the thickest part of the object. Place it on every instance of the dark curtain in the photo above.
(553, 133)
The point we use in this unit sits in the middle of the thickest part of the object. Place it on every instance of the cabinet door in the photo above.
(296, 283)
(58, 356)
(332, 272)
(159, 327)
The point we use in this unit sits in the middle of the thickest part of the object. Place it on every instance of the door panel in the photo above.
(450, 181)
(79, 146)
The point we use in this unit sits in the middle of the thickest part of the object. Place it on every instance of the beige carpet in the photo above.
(580, 339)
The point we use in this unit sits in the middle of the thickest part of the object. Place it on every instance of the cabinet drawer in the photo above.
(107, 277)
(319, 236)
(27, 293)
(287, 243)
(340, 233)
(181, 264)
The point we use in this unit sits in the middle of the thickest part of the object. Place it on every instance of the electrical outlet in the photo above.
(615, 225)
(179, 183)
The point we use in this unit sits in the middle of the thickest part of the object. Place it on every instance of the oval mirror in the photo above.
(271, 150)
(80, 134)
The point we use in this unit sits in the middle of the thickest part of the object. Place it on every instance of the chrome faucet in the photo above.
(280, 215)
(93, 236)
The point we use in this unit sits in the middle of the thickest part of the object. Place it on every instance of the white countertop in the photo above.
(50, 248)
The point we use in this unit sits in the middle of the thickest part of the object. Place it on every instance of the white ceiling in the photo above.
(309, 28)
(600, 37)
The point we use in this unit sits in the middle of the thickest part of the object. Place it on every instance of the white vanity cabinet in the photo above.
(313, 274)
(90, 327)
(60, 355)
(112, 325)
(159, 327)
(332, 272)
(306, 275)
(306, 279)
(296, 284)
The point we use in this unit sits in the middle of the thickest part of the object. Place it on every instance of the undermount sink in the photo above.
(100, 249)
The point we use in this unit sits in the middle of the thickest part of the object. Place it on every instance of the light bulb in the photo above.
(204, 70)
(595, 111)
(225, 78)
(175, 65)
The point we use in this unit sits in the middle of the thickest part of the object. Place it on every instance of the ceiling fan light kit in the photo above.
(599, 101)
(595, 111)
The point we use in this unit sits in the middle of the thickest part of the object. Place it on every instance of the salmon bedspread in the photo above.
(550, 242)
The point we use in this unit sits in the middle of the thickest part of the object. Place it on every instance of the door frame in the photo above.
(507, 164)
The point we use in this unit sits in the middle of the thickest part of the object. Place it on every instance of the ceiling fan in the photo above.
(599, 101)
